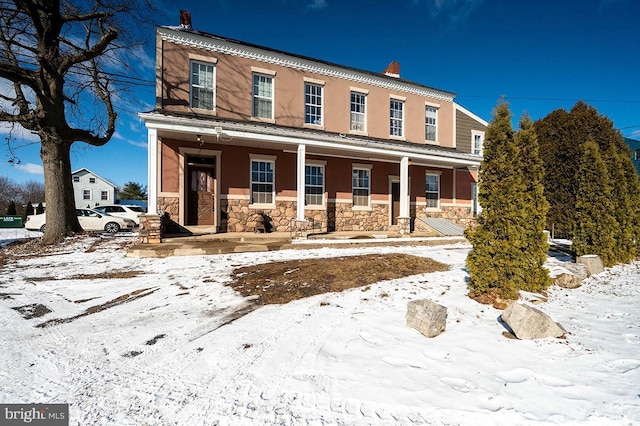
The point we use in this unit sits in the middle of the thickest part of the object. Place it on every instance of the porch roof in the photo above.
(321, 143)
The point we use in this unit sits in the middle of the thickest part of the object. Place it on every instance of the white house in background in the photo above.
(91, 190)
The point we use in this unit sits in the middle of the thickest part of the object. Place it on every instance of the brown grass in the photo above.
(283, 282)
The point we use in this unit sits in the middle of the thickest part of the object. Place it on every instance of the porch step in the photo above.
(443, 226)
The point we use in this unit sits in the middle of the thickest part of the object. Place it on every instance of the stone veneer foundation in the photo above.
(237, 216)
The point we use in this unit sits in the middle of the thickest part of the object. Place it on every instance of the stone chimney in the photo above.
(393, 70)
(185, 19)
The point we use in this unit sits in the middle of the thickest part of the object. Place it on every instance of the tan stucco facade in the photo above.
(231, 137)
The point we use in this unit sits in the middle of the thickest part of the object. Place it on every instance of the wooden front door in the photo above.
(201, 194)
(395, 202)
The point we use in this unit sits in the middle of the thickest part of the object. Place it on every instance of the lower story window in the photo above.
(360, 187)
(314, 185)
(262, 179)
(86, 194)
(432, 190)
(104, 195)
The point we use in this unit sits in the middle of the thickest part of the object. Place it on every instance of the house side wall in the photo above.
(94, 188)
(233, 96)
(464, 126)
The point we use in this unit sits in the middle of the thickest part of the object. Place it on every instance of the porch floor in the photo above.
(201, 241)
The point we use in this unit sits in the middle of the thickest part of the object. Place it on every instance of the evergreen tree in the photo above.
(11, 208)
(28, 211)
(505, 259)
(39, 208)
(534, 208)
(133, 191)
(596, 224)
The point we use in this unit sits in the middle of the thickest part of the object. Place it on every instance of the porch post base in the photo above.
(151, 228)
(404, 225)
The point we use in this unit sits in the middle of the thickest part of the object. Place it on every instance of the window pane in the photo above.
(430, 123)
(358, 112)
(202, 85)
(395, 115)
(314, 185)
(360, 189)
(262, 96)
(261, 182)
(313, 104)
(432, 190)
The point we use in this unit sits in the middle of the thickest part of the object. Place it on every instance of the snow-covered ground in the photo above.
(160, 356)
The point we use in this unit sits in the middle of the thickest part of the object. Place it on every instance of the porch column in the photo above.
(152, 167)
(300, 182)
(404, 220)
(404, 187)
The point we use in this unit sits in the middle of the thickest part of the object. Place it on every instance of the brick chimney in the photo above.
(393, 70)
(185, 19)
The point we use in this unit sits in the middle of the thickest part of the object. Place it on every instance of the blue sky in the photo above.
(540, 55)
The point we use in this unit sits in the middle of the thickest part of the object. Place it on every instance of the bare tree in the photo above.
(31, 191)
(8, 190)
(64, 61)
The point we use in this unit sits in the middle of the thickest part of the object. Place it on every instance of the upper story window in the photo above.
(76, 178)
(432, 190)
(203, 85)
(313, 104)
(262, 181)
(361, 186)
(430, 123)
(358, 113)
(263, 96)
(477, 142)
(314, 185)
(396, 117)
(92, 180)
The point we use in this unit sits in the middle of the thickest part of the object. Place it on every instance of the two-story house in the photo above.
(91, 190)
(240, 130)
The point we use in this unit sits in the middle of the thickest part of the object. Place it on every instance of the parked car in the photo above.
(122, 210)
(89, 219)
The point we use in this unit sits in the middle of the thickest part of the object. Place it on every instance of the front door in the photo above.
(201, 191)
(395, 202)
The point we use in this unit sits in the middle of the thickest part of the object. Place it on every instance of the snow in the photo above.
(333, 359)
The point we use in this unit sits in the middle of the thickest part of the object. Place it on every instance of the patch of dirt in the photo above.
(35, 310)
(103, 275)
(155, 339)
(125, 298)
(283, 282)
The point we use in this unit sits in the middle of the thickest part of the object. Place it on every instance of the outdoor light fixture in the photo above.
(199, 138)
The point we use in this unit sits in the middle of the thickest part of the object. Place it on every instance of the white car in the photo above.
(90, 220)
(122, 210)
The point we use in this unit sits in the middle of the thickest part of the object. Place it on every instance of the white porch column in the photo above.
(300, 171)
(152, 166)
(404, 187)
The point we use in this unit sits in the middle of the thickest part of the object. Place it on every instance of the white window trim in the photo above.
(427, 105)
(271, 75)
(433, 173)
(90, 195)
(475, 133)
(266, 159)
(320, 84)
(368, 167)
(402, 101)
(105, 193)
(317, 163)
(204, 61)
(364, 93)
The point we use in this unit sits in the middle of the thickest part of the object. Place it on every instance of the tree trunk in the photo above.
(62, 220)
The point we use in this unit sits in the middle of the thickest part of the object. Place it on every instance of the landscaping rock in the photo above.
(502, 304)
(427, 317)
(593, 262)
(527, 322)
(567, 280)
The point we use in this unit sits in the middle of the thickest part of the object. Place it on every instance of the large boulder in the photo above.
(427, 317)
(593, 262)
(527, 322)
